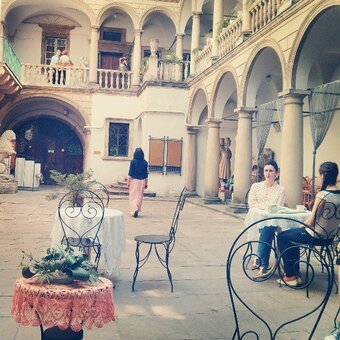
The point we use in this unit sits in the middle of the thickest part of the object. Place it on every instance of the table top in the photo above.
(74, 306)
(111, 234)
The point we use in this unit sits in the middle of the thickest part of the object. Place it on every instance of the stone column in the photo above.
(195, 38)
(190, 160)
(179, 45)
(137, 56)
(243, 156)
(217, 19)
(94, 54)
(291, 164)
(246, 19)
(212, 162)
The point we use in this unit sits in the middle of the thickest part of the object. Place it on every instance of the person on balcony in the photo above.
(64, 61)
(137, 181)
(325, 228)
(54, 62)
(262, 195)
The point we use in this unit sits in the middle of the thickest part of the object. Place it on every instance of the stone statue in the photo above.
(6, 149)
(225, 156)
(7, 183)
(154, 46)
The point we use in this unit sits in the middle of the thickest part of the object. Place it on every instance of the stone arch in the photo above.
(271, 44)
(219, 79)
(196, 92)
(318, 9)
(125, 8)
(184, 16)
(85, 8)
(70, 114)
(170, 14)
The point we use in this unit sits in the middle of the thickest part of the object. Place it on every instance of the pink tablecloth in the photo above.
(74, 306)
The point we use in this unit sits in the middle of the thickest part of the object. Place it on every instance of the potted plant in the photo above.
(169, 56)
(59, 266)
(71, 183)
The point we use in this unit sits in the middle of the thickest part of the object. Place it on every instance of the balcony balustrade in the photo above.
(114, 80)
(203, 60)
(262, 12)
(229, 36)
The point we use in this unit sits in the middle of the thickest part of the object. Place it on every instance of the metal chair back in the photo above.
(102, 192)
(81, 215)
(174, 224)
(238, 276)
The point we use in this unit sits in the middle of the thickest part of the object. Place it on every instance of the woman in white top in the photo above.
(262, 195)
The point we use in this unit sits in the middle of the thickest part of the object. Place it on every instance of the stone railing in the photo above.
(46, 75)
(229, 36)
(73, 77)
(173, 71)
(203, 59)
(262, 12)
(114, 80)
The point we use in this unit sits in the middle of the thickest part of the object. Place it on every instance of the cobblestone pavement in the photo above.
(199, 308)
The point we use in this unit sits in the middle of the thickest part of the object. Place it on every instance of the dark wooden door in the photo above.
(110, 61)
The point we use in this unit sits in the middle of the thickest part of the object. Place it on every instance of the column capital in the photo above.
(180, 35)
(214, 123)
(294, 93)
(95, 27)
(196, 13)
(138, 32)
(192, 129)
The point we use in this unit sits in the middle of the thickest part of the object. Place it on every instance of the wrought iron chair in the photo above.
(239, 256)
(81, 214)
(166, 241)
(102, 192)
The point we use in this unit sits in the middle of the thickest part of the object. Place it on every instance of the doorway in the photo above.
(110, 61)
(51, 143)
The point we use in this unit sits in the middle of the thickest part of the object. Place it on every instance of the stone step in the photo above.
(125, 192)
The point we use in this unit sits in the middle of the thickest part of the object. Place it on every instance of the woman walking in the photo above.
(137, 181)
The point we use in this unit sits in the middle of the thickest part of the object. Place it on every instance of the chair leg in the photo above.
(137, 266)
(167, 256)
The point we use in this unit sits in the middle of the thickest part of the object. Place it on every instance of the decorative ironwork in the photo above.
(118, 139)
(86, 209)
(166, 241)
(11, 59)
(242, 252)
(165, 155)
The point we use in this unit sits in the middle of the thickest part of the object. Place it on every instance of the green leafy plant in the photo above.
(197, 50)
(169, 55)
(71, 182)
(59, 266)
(223, 24)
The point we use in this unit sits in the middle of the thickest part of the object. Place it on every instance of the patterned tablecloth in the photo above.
(257, 214)
(111, 235)
(74, 306)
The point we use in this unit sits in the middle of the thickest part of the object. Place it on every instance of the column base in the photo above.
(211, 200)
(93, 85)
(238, 208)
(192, 194)
(245, 35)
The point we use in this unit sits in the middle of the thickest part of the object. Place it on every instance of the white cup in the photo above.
(300, 207)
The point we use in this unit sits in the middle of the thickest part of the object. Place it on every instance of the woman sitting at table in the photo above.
(324, 228)
(262, 195)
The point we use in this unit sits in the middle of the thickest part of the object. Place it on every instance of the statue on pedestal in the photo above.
(7, 183)
(225, 156)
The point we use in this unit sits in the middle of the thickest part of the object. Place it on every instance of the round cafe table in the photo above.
(73, 306)
(258, 214)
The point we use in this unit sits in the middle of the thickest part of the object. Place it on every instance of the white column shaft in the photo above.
(93, 55)
(195, 39)
(179, 46)
(246, 17)
(137, 56)
(243, 156)
(190, 160)
(212, 160)
(291, 167)
(217, 19)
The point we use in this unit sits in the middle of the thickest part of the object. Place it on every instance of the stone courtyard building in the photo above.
(198, 71)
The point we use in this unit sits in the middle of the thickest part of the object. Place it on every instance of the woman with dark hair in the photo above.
(137, 181)
(262, 195)
(324, 228)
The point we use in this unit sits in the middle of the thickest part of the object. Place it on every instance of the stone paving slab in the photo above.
(199, 308)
